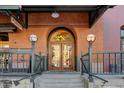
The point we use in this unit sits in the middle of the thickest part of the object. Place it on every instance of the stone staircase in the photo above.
(59, 80)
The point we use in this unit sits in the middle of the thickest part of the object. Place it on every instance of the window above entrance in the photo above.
(4, 40)
(61, 36)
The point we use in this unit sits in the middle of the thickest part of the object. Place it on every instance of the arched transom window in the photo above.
(61, 36)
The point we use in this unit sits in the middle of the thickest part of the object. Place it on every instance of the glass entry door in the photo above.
(61, 56)
(61, 51)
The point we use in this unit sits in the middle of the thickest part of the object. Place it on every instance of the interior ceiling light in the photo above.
(55, 14)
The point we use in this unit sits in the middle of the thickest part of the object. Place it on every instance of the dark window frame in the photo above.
(4, 39)
(121, 38)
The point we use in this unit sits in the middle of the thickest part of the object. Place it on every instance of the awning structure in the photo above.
(10, 7)
(94, 11)
(64, 8)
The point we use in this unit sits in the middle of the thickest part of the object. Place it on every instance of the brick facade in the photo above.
(42, 24)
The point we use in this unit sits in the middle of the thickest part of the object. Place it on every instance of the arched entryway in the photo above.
(61, 46)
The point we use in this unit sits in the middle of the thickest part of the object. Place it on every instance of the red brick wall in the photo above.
(97, 30)
(113, 19)
(42, 23)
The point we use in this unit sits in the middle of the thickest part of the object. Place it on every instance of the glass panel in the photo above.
(122, 33)
(56, 55)
(67, 56)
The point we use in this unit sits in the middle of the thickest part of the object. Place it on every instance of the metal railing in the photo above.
(106, 63)
(15, 61)
(85, 68)
(38, 66)
(84, 63)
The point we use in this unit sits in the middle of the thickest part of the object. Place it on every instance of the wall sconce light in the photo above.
(55, 15)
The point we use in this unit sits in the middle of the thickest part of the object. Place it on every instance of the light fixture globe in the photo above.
(33, 38)
(55, 15)
(91, 37)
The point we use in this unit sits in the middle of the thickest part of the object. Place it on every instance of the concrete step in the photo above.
(59, 80)
(60, 72)
(60, 86)
(59, 76)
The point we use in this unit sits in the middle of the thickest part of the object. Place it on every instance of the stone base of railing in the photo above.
(85, 80)
(114, 81)
(7, 82)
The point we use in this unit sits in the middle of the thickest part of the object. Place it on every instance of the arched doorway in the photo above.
(61, 47)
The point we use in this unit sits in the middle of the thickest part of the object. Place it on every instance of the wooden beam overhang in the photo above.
(17, 16)
(14, 11)
(59, 8)
(96, 14)
(7, 28)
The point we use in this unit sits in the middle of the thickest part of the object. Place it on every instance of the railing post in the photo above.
(33, 39)
(41, 61)
(90, 38)
(81, 66)
(121, 62)
(33, 57)
(90, 61)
